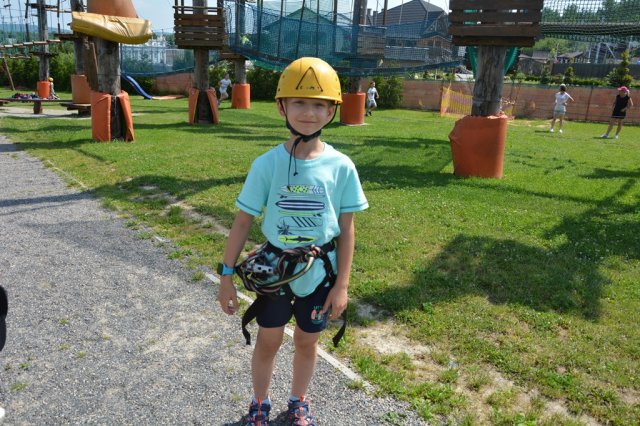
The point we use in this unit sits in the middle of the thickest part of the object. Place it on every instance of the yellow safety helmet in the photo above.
(309, 78)
(50, 78)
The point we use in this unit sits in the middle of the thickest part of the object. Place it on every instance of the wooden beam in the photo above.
(493, 4)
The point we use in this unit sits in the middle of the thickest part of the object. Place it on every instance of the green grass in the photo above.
(532, 278)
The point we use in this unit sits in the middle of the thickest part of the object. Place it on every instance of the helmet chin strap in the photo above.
(300, 137)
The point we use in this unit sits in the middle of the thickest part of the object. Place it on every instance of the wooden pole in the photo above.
(201, 75)
(487, 92)
(78, 43)
(201, 58)
(5, 66)
(43, 34)
(240, 64)
(359, 17)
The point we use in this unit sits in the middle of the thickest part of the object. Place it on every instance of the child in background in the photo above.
(224, 85)
(372, 95)
(620, 106)
(560, 107)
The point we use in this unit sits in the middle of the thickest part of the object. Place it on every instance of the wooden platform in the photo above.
(83, 109)
(37, 102)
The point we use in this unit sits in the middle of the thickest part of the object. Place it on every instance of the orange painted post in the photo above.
(477, 146)
(44, 89)
(241, 96)
(352, 108)
(80, 91)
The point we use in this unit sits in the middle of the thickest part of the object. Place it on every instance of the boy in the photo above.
(224, 85)
(309, 193)
(372, 95)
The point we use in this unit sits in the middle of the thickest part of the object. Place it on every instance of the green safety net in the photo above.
(509, 60)
(407, 38)
(411, 37)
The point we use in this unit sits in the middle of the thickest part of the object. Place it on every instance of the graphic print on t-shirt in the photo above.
(301, 208)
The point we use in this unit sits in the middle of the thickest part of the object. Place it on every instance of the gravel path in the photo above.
(104, 328)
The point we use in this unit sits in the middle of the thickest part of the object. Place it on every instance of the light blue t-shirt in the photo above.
(302, 209)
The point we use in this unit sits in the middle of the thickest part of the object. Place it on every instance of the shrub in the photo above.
(263, 82)
(620, 76)
(569, 75)
(217, 72)
(390, 90)
(544, 77)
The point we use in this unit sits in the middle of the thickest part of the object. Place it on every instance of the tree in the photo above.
(544, 77)
(621, 76)
(569, 75)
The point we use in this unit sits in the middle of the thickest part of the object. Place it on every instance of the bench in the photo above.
(37, 102)
(84, 110)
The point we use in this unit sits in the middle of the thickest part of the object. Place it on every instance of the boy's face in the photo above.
(306, 115)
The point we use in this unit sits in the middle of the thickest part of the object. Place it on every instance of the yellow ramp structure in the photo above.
(118, 29)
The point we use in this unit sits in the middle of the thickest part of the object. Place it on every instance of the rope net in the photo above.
(591, 20)
(408, 38)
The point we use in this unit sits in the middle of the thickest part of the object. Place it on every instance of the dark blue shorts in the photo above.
(278, 310)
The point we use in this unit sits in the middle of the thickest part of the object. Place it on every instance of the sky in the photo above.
(160, 12)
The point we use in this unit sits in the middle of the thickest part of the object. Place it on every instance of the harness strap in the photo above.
(330, 277)
(250, 314)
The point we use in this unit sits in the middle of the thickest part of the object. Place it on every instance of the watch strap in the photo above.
(223, 269)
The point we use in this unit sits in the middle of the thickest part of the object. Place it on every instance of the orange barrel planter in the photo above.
(477, 146)
(101, 116)
(44, 89)
(194, 114)
(352, 108)
(241, 96)
(80, 91)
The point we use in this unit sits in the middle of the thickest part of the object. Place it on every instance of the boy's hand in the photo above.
(228, 295)
(337, 300)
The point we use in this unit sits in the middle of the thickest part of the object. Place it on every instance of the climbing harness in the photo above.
(266, 277)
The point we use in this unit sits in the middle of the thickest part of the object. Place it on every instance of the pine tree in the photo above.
(569, 75)
(621, 76)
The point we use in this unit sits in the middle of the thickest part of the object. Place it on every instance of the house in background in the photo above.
(415, 31)
(534, 64)
(572, 58)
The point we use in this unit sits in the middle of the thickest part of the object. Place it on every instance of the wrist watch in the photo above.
(225, 270)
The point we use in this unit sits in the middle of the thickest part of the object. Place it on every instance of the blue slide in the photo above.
(136, 86)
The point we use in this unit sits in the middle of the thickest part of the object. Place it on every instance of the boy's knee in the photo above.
(270, 339)
(306, 342)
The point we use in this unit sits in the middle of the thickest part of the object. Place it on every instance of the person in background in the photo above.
(560, 107)
(372, 95)
(224, 85)
(621, 105)
(52, 91)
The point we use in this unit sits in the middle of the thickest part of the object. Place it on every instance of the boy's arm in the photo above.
(337, 298)
(227, 295)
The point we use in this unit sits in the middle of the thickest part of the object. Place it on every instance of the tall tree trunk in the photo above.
(201, 76)
(43, 34)
(487, 92)
(108, 53)
(78, 43)
(240, 71)
(359, 18)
